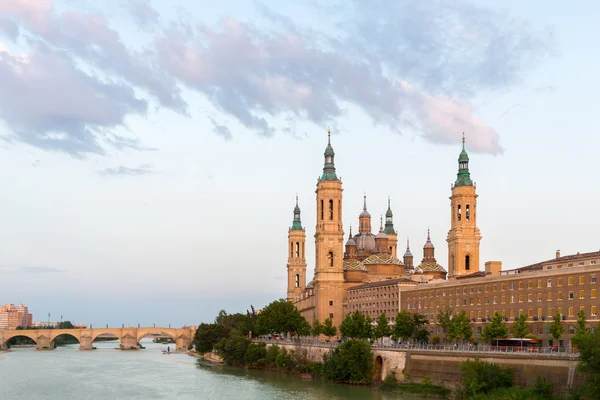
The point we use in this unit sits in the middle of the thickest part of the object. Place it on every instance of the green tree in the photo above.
(420, 334)
(495, 330)
(328, 329)
(588, 344)
(482, 377)
(403, 328)
(351, 362)
(207, 335)
(520, 328)
(65, 325)
(357, 326)
(233, 349)
(556, 328)
(443, 320)
(316, 328)
(580, 328)
(281, 316)
(304, 329)
(382, 329)
(460, 328)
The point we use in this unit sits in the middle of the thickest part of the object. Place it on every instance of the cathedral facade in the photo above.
(367, 257)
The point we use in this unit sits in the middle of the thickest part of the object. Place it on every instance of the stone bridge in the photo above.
(129, 337)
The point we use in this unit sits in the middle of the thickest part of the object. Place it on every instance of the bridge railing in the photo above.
(558, 352)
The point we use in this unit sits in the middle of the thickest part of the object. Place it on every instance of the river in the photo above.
(68, 374)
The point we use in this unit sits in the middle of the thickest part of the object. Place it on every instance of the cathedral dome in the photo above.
(354, 265)
(381, 235)
(350, 242)
(382, 258)
(365, 242)
(431, 267)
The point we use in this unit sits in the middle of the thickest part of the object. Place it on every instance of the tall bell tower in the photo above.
(329, 243)
(296, 266)
(464, 236)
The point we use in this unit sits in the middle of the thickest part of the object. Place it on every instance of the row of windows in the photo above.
(511, 299)
(510, 285)
(551, 311)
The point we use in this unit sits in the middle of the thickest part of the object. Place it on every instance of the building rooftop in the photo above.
(385, 282)
(540, 265)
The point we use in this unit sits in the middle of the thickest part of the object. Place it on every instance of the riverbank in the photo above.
(211, 356)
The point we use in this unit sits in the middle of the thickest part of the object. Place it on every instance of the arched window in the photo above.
(297, 280)
(467, 213)
(322, 211)
(297, 249)
(291, 249)
(303, 250)
(330, 210)
(459, 214)
(467, 263)
(330, 258)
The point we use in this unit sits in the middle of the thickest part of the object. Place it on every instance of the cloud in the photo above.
(410, 66)
(28, 270)
(401, 63)
(49, 103)
(143, 13)
(9, 28)
(121, 170)
(67, 40)
(38, 270)
(221, 130)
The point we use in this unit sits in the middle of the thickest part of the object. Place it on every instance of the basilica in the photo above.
(368, 257)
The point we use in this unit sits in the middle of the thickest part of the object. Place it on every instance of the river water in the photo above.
(68, 374)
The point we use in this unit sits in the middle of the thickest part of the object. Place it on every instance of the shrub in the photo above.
(256, 354)
(285, 360)
(481, 377)
(435, 339)
(271, 357)
(350, 362)
(542, 387)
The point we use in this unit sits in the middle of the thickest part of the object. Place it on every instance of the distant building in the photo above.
(12, 316)
(41, 324)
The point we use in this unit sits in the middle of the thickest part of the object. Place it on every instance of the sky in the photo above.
(151, 151)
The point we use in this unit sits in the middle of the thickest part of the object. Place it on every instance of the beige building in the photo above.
(562, 285)
(12, 316)
(367, 276)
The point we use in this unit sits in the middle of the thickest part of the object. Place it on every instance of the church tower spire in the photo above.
(329, 167)
(329, 244)
(464, 235)
(408, 256)
(296, 266)
(390, 231)
(364, 219)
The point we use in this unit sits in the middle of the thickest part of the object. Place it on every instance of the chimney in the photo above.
(493, 268)
(557, 253)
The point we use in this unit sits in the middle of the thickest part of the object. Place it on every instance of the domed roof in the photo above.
(363, 214)
(350, 242)
(310, 285)
(354, 265)
(407, 253)
(428, 244)
(381, 235)
(382, 258)
(365, 242)
(431, 267)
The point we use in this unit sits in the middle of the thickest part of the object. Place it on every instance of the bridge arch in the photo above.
(156, 331)
(26, 334)
(5, 339)
(116, 332)
(55, 343)
(59, 332)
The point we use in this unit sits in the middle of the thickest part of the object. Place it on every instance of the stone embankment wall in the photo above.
(444, 368)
